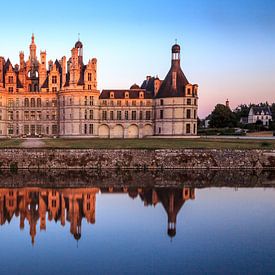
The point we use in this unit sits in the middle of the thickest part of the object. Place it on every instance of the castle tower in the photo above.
(176, 102)
(32, 50)
(42, 68)
(79, 46)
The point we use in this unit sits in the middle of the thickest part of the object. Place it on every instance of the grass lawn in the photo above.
(4, 143)
(160, 143)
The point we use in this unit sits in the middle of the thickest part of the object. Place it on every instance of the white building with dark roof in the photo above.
(260, 113)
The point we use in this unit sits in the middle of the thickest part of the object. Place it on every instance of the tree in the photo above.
(222, 117)
(242, 111)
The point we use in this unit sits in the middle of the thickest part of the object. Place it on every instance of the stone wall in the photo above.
(136, 159)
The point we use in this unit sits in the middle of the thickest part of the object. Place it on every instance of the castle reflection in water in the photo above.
(34, 204)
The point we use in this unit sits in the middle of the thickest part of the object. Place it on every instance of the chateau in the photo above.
(62, 99)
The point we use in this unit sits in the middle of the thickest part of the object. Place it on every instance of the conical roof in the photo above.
(167, 90)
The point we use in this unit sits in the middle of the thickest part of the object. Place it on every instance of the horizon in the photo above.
(227, 48)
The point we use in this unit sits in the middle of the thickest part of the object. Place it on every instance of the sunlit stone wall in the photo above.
(135, 159)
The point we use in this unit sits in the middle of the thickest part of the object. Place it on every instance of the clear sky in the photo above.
(228, 46)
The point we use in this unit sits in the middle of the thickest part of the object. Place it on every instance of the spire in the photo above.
(33, 49)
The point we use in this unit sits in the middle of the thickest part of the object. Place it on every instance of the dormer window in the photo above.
(126, 94)
(10, 79)
(54, 79)
(112, 95)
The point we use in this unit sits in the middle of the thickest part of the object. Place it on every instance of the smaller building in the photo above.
(260, 113)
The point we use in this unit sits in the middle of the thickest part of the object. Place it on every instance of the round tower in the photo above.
(176, 101)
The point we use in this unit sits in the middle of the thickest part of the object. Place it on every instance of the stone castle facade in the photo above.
(62, 99)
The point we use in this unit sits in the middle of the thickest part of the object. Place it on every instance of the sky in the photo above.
(227, 46)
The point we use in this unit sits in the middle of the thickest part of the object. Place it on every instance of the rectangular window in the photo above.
(10, 129)
(54, 89)
(140, 115)
(91, 114)
(188, 128)
(26, 129)
(10, 89)
(189, 101)
(26, 115)
(54, 129)
(161, 102)
(89, 87)
(85, 115)
(11, 79)
(118, 115)
(126, 114)
(161, 114)
(119, 103)
(54, 103)
(85, 100)
(195, 114)
(188, 113)
(148, 115)
(39, 129)
(89, 77)
(104, 115)
(91, 100)
(111, 115)
(91, 129)
(17, 115)
(10, 115)
(134, 103)
(134, 115)
(32, 115)
(85, 129)
(39, 115)
(54, 79)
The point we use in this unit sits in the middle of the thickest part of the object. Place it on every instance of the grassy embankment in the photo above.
(202, 143)
(161, 143)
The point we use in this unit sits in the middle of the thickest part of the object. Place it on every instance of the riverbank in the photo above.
(137, 159)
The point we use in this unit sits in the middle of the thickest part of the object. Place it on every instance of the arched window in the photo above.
(32, 102)
(38, 103)
(26, 102)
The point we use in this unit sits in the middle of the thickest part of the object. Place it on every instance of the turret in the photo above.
(32, 50)
(42, 68)
(63, 66)
(22, 62)
(79, 46)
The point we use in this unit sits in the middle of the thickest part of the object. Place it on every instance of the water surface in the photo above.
(155, 228)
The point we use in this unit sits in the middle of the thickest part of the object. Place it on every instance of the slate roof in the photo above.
(257, 110)
(166, 88)
(120, 94)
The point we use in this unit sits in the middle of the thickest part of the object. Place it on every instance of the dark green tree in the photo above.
(222, 117)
